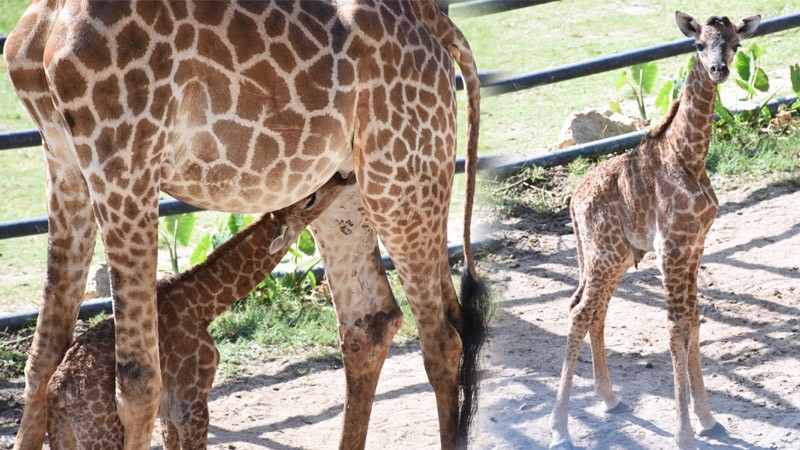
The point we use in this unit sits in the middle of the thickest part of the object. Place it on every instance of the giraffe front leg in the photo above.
(72, 234)
(131, 243)
(709, 426)
(679, 262)
(367, 312)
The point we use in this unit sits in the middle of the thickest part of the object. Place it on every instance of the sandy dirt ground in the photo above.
(749, 300)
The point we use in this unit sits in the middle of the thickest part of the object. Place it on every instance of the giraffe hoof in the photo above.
(565, 444)
(621, 407)
(716, 431)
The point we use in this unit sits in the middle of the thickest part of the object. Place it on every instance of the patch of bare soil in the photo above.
(750, 302)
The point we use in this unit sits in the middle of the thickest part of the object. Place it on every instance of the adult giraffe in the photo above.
(250, 107)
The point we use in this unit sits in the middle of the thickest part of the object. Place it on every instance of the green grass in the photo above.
(748, 154)
(290, 322)
(570, 31)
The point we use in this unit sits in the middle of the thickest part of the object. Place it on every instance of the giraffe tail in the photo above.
(476, 307)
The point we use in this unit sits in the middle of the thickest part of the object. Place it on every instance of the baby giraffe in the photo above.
(80, 397)
(657, 197)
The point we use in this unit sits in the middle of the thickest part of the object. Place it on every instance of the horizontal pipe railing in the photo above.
(499, 165)
(618, 61)
(10, 140)
(504, 168)
(38, 225)
(17, 321)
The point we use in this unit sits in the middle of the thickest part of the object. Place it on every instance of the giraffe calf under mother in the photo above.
(657, 197)
(249, 107)
(81, 409)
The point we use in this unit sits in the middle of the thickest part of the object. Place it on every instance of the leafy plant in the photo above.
(299, 280)
(672, 88)
(751, 77)
(97, 318)
(176, 230)
(210, 241)
(794, 75)
(641, 79)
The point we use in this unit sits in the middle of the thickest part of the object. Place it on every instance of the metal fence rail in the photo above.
(619, 61)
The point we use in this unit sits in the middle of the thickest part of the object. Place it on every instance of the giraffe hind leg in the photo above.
(415, 238)
(600, 277)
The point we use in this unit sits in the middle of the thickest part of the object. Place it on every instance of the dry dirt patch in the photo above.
(750, 302)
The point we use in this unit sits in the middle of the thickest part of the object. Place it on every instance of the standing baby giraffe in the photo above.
(250, 107)
(80, 398)
(657, 197)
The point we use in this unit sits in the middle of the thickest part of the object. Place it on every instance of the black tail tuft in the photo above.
(477, 309)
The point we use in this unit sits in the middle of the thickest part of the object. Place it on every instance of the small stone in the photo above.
(648, 365)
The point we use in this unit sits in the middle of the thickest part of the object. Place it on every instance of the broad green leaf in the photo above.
(794, 74)
(202, 250)
(270, 283)
(724, 113)
(183, 233)
(305, 243)
(235, 223)
(649, 73)
(765, 115)
(664, 98)
(761, 81)
(796, 105)
(168, 226)
(613, 106)
(622, 79)
(743, 84)
(757, 50)
(684, 71)
(310, 278)
(742, 64)
(291, 252)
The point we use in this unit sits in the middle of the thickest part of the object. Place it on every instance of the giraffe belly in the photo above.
(261, 182)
